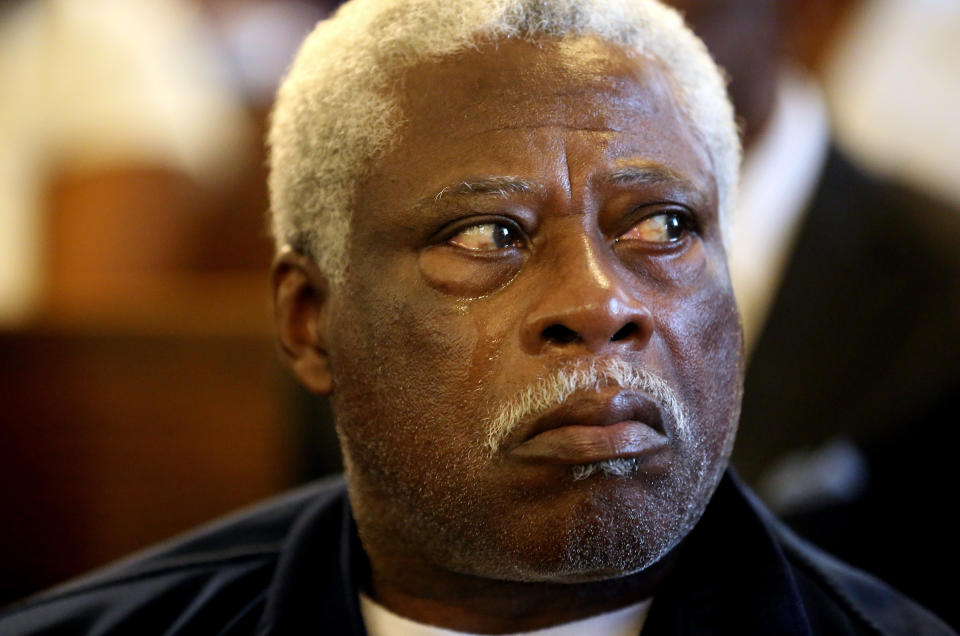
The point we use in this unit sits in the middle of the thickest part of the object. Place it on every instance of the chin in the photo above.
(573, 577)
(600, 538)
(611, 528)
(578, 569)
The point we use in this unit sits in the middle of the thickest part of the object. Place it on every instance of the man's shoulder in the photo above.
(831, 588)
(213, 579)
(868, 601)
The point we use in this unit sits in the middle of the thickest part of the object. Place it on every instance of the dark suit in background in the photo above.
(863, 340)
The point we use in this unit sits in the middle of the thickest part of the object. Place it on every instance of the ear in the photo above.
(300, 293)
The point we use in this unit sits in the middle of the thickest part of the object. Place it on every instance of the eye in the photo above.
(665, 227)
(486, 237)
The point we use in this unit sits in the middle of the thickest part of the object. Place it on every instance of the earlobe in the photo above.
(300, 293)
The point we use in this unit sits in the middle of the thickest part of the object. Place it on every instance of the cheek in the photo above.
(706, 347)
(407, 379)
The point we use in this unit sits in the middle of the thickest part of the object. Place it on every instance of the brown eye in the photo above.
(486, 237)
(666, 227)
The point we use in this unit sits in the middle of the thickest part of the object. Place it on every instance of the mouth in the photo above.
(595, 426)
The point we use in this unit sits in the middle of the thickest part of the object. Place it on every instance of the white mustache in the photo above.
(553, 389)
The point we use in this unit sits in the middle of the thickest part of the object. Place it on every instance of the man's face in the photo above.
(546, 209)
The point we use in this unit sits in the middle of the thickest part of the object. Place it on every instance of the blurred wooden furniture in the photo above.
(118, 433)
(145, 396)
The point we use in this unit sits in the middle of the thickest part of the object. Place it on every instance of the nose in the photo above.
(587, 306)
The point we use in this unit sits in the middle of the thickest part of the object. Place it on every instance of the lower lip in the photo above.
(589, 444)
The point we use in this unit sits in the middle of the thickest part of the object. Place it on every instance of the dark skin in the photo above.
(746, 38)
(608, 235)
(751, 39)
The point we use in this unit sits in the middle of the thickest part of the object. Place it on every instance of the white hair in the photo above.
(333, 114)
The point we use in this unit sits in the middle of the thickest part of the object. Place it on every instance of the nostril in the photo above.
(559, 334)
(625, 332)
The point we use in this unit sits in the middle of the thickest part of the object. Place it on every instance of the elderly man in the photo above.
(501, 251)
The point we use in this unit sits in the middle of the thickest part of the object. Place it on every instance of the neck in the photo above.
(473, 604)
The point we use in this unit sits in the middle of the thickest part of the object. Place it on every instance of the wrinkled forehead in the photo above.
(574, 81)
(502, 107)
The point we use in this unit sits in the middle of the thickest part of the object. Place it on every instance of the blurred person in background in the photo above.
(894, 91)
(849, 287)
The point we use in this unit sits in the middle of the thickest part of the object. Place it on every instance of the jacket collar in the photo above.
(730, 577)
(322, 567)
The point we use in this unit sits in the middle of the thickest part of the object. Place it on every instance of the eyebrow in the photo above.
(644, 175)
(499, 186)
(505, 185)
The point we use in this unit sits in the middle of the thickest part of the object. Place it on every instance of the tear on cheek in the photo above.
(449, 270)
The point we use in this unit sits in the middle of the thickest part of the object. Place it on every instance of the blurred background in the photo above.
(139, 390)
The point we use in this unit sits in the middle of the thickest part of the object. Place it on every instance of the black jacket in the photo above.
(863, 336)
(863, 340)
(294, 565)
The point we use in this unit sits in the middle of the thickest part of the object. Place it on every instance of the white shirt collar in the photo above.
(626, 621)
